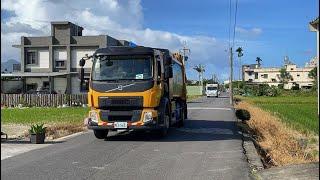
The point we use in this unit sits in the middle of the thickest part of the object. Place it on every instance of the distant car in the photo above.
(212, 90)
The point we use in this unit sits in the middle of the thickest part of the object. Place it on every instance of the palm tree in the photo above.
(200, 69)
(284, 76)
(259, 61)
(240, 54)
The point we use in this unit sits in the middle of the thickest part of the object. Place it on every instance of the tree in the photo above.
(200, 69)
(258, 59)
(240, 54)
(239, 51)
(284, 76)
(313, 75)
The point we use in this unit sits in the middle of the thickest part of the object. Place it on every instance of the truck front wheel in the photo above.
(100, 134)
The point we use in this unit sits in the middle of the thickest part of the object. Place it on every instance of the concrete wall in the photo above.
(11, 86)
(37, 80)
(194, 90)
(60, 84)
(75, 88)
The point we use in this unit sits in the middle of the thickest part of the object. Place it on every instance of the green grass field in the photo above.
(299, 112)
(28, 116)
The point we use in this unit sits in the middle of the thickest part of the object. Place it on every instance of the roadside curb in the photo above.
(251, 153)
(70, 136)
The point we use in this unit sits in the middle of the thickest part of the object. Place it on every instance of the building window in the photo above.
(291, 69)
(31, 86)
(60, 64)
(250, 73)
(256, 75)
(250, 80)
(46, 84)
(273, 80)
(31, 57)
(298, 75)
(265, 76)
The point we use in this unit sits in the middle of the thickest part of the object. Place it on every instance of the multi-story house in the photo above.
(52, 62)
(255, 74)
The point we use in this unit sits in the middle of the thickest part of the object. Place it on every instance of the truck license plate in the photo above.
(120, 125)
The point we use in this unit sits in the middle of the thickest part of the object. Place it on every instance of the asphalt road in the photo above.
(207, 147)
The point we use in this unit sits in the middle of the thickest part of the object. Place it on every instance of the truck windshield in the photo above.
(121, 68)
(211, 88)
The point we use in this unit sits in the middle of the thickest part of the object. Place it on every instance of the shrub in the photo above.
(273, 91)
(243, 114)
(37, 129)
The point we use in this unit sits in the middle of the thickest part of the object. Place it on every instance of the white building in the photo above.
(271, 76)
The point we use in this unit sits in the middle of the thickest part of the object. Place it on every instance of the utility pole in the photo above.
(185, 50)
(231, 76)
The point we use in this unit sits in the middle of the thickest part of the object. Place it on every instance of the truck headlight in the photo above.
(94, 116)
(147, 117)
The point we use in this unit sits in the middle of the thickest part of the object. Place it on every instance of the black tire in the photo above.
(165, 118)
(164, 131)
(180, 123)
(185, 110)
(100, 134)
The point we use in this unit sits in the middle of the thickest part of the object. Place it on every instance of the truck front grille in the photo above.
(107, 102)
(115, 116)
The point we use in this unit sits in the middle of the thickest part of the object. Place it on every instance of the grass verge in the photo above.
(282, 143)
(297, 112)
(59, 121)
(193, 97)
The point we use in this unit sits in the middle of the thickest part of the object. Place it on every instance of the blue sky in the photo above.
(284, 25)
(268, 29)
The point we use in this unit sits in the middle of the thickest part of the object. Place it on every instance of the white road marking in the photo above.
(208, 108)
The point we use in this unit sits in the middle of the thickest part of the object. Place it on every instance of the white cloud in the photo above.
(120, 19)
(253, 32)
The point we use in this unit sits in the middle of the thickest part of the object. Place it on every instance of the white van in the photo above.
(212, 90)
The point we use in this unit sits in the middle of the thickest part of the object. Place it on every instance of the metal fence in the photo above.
(43, 100)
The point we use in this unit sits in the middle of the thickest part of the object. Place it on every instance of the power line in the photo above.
(235, 23)
(229, 21)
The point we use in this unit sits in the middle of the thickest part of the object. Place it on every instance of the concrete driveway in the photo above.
(207, 147)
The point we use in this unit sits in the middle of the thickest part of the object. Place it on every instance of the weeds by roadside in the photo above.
(282, 144)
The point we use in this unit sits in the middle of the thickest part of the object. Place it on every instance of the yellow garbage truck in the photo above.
(135, 88)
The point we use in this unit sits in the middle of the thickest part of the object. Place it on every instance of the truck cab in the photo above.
(135, 88)
(212, 90)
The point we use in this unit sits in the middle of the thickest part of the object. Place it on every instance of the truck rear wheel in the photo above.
(183, 113)
(100, 134)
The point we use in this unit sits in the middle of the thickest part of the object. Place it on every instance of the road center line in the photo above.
(208, 108)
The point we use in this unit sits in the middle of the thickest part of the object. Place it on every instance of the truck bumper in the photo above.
(149, 126)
